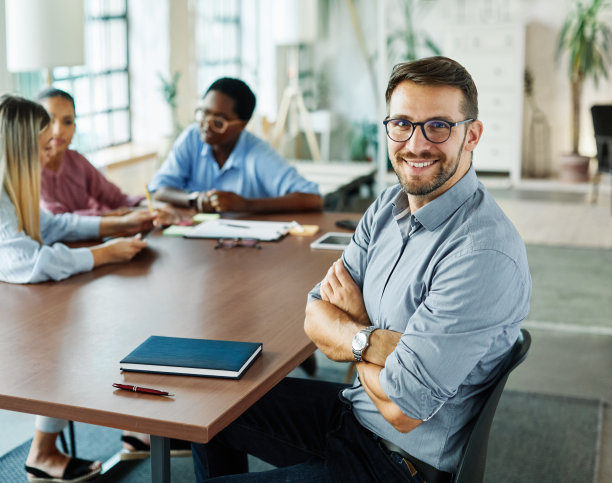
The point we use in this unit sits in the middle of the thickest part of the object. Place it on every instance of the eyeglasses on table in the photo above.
(237, 242)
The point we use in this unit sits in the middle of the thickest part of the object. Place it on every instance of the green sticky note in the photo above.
(200, 217)
(177, 230)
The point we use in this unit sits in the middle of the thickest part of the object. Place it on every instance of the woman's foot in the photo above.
(76, 471)
(138, 446)
(46, 458)
(135, 446)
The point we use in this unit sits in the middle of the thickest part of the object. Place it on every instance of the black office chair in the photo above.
(472, 464)
(602, 127)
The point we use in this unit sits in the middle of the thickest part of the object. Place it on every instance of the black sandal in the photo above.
(178, 448)
(77, 470)
(141, 449)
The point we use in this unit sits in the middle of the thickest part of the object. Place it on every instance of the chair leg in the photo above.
(72, 439)
(62, 439)
(63, 442)
(595, 188)
(310, 365)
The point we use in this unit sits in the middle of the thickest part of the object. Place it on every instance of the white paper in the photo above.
(245, 229)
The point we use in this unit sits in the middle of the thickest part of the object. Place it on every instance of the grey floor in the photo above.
(566, 359)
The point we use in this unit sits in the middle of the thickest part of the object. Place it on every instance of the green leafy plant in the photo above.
(363, 134)
(407, 43)
(169, 89)
(587, 41)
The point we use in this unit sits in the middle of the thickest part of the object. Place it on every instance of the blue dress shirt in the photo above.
(24, 260)
(253, 169)
(453, 278)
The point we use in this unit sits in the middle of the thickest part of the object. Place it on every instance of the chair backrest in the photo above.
(472, 464)
(602, 127)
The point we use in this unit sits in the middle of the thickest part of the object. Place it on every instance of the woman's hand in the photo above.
(134, 222)
(137, 221)
(118, 211)
(117, 250)
(339, 288)
(168, 215)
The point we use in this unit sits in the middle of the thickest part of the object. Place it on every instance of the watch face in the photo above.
(359, 341)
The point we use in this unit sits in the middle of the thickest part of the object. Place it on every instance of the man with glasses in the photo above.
(427, 299)
(215, 165)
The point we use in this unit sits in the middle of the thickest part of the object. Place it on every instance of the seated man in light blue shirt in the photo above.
(215, 165)
(427, 298)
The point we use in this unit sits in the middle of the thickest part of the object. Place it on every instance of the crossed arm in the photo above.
(333, 321)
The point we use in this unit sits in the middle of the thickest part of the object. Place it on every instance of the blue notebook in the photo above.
(192, 357)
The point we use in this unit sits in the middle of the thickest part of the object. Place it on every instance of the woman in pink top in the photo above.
(70, 183)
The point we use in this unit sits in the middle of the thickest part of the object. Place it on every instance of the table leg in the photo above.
(160, 459)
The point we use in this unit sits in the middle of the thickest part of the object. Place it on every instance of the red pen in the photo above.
(144, 390)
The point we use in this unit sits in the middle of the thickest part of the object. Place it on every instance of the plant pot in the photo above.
(574, 168)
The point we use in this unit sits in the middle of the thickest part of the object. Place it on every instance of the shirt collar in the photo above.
(438, 210)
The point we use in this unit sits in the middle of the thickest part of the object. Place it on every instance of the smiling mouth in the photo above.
(422, 164)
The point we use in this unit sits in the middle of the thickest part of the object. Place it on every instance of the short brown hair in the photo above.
(437, 71)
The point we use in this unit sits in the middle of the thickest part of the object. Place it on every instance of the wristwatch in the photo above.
(361, 341)
(193, 198)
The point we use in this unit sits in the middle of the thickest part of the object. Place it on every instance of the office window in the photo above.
(226, 41)
(218, 40)
(101, 87)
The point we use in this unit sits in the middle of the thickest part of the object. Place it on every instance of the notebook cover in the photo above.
(201, 357)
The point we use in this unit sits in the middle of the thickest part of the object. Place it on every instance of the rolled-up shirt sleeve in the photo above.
(449, 333)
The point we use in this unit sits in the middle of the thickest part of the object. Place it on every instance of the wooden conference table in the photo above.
(62, 341)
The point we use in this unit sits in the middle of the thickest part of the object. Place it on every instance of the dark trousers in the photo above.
(308, 432)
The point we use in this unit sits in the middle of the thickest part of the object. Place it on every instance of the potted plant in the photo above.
(169, 89)
(587, 41)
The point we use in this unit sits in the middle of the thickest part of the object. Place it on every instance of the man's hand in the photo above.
(227, 201)
(339, 288)
(117, 250)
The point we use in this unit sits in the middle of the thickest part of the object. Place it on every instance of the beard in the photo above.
(446, 172)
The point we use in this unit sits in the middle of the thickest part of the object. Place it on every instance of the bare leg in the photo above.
(45, 456)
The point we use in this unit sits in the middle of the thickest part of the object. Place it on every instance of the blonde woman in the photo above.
(30, 252)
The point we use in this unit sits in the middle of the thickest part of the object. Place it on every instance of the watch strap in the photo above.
(193, 198)
(358, 354)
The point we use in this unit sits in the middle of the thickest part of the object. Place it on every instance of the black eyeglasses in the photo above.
(217, 123)
(435, 131)
(237, 242)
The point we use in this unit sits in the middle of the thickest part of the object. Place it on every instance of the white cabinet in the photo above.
(494, 56)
